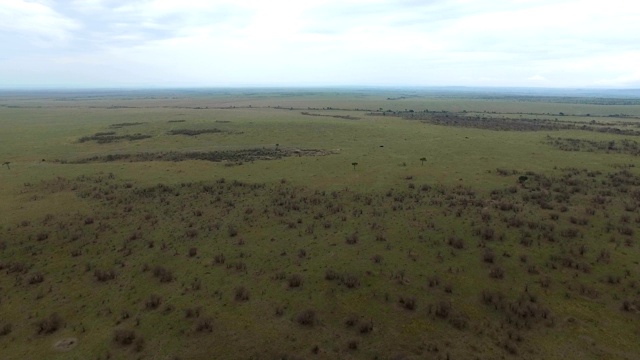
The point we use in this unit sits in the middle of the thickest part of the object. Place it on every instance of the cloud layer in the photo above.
(104, 43)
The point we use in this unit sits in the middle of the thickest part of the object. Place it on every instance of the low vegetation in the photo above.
(383, 250)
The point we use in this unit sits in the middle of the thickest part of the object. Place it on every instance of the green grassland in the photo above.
(291, 224)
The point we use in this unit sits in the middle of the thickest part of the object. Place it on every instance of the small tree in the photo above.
(423, 159)
(6, 163)
(354, 165)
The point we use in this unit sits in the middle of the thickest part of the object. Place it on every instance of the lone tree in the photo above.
(6, 163)
(423, 159)
(354, 165)
(277, 145)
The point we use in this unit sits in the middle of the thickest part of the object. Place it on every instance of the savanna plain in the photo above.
(319, 224)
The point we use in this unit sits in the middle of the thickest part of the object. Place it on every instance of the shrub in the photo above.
(204, 324)
(306, 318)
(295, 281)
(456, 242)
(240, 266)
(193, 312)
(497, 272)
(441, 309)
(331, 275)
(377, 258)
(627, 306)
(124, 337)
(352, 320)
(350, 281)
(163, 274)
(241, 294)
(408, 302)
(36, 279)
(459, 321)
(488, 256)
(49, 325)
(366, 327)
(352, 239)
(218, 259)
(152, 302)
(352, 344)
(5, 329)
(104, 275)
(138, 344)
(232, 230)
(193, 252)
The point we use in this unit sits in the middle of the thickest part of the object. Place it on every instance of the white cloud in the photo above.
(35, 20)
(371, 42)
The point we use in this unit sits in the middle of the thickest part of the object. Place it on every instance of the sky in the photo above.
(305, 43)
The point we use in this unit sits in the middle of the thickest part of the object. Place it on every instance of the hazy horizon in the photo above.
(566, 44)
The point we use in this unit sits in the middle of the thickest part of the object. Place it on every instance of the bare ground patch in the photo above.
(66, 344)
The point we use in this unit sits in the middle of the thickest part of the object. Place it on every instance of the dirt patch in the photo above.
(65, 344)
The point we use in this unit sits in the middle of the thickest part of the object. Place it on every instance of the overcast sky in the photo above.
(217, 43)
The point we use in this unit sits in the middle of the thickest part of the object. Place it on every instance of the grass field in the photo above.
(286, 224)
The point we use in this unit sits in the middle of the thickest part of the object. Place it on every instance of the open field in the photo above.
(264, 224)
